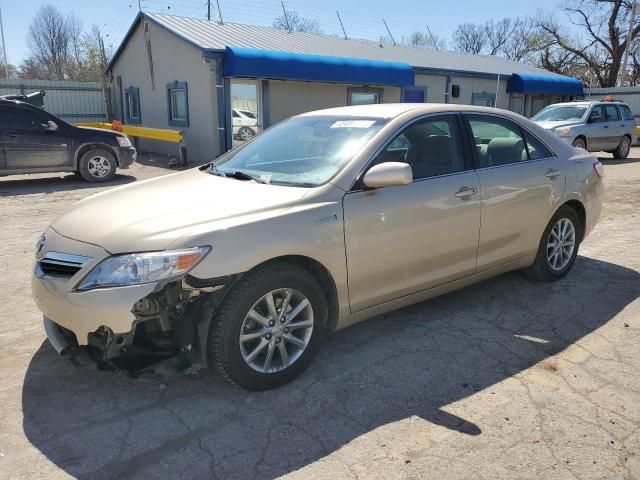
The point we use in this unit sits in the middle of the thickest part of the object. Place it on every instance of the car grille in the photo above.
(62, 264)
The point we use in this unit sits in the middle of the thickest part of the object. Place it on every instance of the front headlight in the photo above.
(123, 140)
(563, 132)
(138, 268)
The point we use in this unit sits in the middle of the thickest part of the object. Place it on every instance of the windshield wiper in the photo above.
(238, 175)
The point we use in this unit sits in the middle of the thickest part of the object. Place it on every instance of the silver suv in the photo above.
(596, 126)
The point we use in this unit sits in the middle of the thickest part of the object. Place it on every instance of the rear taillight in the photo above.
(599, 169)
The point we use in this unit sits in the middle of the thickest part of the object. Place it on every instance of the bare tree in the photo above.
(470, 38)
(522, 42)
(426, 40)
(11, 69)
(497, 34)
(48, 40)
(294, 22)
(602, 37)
(31, 69)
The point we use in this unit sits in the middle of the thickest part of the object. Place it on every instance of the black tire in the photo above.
(541, 269)
(622, 151)
(580, 143)
(88, 170)
(224, 351)
(246, 134)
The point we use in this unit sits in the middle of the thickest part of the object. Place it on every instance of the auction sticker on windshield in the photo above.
(353, 124)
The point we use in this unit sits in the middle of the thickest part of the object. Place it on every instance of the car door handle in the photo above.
(12, 134)
(552, 173)
(606, 126)
(466, 192)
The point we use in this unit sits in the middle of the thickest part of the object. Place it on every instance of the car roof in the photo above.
(392, 110)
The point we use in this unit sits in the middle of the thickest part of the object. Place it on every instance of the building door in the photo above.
(246, 110)
(516, 103)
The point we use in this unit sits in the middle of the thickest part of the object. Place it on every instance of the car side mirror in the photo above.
(388, 174)
(595, 119)
(52, 126)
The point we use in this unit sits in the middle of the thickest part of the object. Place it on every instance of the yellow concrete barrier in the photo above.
(638, 129)
(161, 134)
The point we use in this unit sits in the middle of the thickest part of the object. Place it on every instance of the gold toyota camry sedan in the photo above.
(323, 220)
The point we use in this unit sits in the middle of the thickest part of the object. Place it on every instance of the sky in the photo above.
(115, 16)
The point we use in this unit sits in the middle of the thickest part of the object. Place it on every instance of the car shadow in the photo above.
(410, 363)
(56, 182)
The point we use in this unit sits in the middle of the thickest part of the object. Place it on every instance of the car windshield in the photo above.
(557, 114)
(303, 151)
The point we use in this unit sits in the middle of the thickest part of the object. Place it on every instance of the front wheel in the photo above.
(97, 165)
(558, 247)
(623, 149)
(268, 327)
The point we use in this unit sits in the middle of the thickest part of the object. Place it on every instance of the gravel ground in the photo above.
(506, 379)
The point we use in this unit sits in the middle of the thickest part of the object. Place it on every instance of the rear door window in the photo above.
(498, 141)
(612, 113)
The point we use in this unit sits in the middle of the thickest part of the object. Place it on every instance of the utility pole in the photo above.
(4, 48)
(208, 9)
(625, 62)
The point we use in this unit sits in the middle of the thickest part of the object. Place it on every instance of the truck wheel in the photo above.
(580, 143)
(268, 328)
(97, 165)
(623, 149)
(558, 247)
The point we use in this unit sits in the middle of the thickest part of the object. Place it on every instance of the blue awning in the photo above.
(256, 63)
(554, 84)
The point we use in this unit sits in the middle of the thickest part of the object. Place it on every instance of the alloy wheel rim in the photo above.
(99, 166)
(561, 244)
(625, 147)
(276, 331)
(245, 134)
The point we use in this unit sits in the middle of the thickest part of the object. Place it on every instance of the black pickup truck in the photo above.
(34, 141)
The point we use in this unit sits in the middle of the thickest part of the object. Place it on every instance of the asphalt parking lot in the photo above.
(506, 379)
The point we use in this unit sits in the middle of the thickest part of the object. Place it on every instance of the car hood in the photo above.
(152, 214)
(550, 125)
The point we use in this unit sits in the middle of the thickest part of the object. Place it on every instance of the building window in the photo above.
(178, 104)
(483, 99)
(132, 105)
(414, 94)
(363, 96)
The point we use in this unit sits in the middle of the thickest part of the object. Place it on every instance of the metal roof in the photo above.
(214, 36)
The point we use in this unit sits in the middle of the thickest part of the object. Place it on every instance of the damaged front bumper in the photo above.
(157, 319)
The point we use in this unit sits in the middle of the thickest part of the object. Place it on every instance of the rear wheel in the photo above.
(623, 149)
(97, 165)
(580, 143)
(558, 247)
(268, 328)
